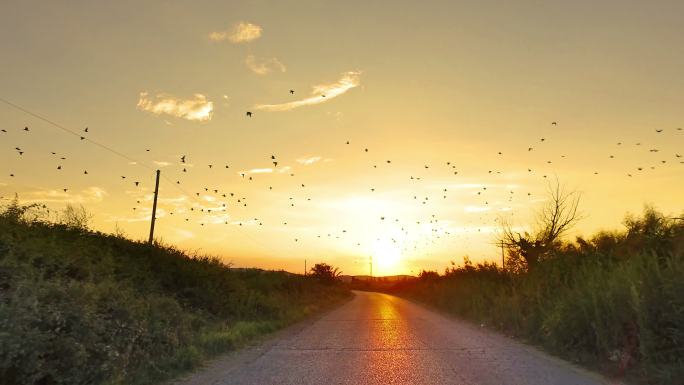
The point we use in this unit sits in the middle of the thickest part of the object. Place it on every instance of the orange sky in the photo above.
(456, 95)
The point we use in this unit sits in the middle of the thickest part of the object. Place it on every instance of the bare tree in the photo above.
(555, 218)
(76, 217)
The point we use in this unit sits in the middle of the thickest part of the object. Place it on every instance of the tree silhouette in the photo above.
(325, 273)
(555, 218)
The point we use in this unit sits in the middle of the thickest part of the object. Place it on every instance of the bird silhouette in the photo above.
(249, 114)
(292, 92)
(26, 129)
(85, 130)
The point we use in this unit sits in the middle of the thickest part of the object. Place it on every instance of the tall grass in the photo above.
(615, 301)
(80, 307)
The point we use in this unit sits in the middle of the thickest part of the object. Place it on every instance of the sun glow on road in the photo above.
(387, 256)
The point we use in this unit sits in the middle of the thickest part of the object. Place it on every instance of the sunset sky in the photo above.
(457, 95)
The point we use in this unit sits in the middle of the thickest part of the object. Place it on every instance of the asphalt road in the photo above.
(380, 339)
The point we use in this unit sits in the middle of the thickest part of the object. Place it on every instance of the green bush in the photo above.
(616, 299)
(79, 307)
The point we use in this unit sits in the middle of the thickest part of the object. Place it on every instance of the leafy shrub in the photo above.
(616, 299)
(79, 307)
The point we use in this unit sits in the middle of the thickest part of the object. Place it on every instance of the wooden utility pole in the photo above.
(305, 267)
(154, 208)
(503, 261)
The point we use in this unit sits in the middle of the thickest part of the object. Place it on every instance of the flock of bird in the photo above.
(209, 205)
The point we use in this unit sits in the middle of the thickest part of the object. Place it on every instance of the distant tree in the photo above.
(555, 218)
(325, 273)
(428, 275)
(76, 217)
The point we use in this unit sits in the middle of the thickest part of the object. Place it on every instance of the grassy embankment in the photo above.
(613, 302)
(80, 307)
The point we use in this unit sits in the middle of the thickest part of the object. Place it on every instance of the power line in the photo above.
(119, 154)
(76, 134)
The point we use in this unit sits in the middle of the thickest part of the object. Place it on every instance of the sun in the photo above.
(386, 256)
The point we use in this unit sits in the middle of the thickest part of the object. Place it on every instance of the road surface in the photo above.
(381, 339)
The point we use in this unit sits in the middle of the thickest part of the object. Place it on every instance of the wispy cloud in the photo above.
(143, 214)
(198, 108)
(320, 93)
(476, 209)
(241, 32)
(91, 194)
(264, 66)
(310, 160)
(256, 171)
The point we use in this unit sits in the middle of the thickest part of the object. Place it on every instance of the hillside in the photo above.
(81, 307)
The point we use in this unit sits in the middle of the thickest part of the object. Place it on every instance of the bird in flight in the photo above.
(26, 129)
(85, 130)
(659, 130)
(291, 92)
(554, 123)
(249, 114)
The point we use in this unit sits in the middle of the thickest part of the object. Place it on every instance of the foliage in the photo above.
(614, 300)
(76, 217)
(79, 307)
(325, 273)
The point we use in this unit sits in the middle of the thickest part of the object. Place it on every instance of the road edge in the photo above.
(216, 368)
(534, 349)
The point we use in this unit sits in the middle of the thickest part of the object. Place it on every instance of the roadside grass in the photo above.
(81, 307)
(614, 302)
